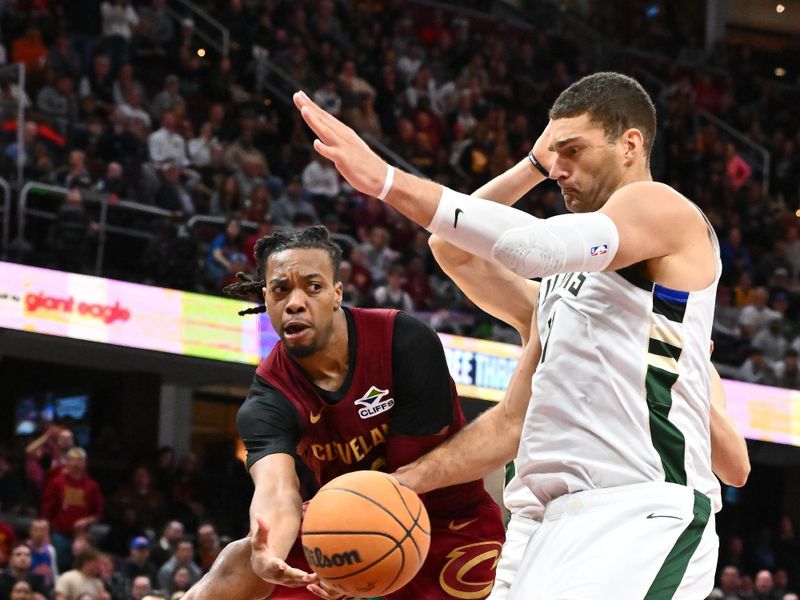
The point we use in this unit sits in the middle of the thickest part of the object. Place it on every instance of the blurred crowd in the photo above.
(64, 536)
(126, 102)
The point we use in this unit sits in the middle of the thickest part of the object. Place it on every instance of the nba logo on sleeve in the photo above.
(374, 402)
(599, 250)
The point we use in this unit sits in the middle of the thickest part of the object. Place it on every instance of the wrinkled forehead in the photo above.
(298, 262)
(566, 130)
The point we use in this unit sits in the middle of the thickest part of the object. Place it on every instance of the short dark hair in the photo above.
(316, 237)
(615, 101)
(85, 556)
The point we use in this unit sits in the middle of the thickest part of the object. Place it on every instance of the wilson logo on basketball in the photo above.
(374, 402)
(319, 560)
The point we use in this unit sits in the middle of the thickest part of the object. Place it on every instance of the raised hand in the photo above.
(541, 149)
(358, 164)
(270, 567)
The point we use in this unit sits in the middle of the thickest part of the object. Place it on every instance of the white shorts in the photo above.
(650, 541)
(519, 532)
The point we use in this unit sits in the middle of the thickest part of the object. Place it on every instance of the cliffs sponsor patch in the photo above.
(374, 402)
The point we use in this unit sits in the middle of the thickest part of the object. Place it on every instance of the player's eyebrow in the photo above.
(561, 143)
(282, 279)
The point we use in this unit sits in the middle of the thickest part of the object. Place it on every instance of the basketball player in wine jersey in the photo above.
(345, 389)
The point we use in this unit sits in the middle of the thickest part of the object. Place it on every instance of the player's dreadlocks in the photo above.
(316, 237)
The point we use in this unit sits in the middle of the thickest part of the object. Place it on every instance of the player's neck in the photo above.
(327, 368)
(636, 174)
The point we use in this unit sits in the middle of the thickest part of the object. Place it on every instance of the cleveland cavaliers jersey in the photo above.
(622, 390)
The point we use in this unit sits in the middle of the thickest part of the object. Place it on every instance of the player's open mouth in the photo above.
(295, 330)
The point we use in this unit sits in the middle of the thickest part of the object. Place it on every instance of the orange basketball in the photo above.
(366, 535)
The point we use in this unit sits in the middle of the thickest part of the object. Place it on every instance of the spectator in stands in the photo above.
(391, 294)
(320, 179)
(377, 254)
(729, 584)
(57, 101)
(180, 581)
(76, 175)
(184, 557)
(138, 564)
(142, 585)
(44, 560)
(63, 60)
(763, 586)
(208, 546)
(201, 146)
(744, 293)
(225, 256)
(168, 542)
(251, 175)
(166, 144)
(787, 372)
(72, 502)
(19, 569)
(82, 579)
(133, 109)
(168, 98)
(140, 495)
(756, 316)
(726, 315)
(53, 445)
(757, 369)
(71, 234)
(159, 23)
(259, 205)
(99, 83)
(21, 591)
(114, 182)
(417, 284)
(781, 583)
(172, 193)
(364, 119)
(770, 339)
(291, 203)
(226, 198)
(30, 50)
(119, 19)
(735, 256)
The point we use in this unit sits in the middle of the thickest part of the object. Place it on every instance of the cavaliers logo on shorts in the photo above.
(469, 571)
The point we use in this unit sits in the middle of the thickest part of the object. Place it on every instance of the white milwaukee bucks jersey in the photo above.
(621, 394)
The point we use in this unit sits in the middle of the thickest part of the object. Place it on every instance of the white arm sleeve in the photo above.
(528, 246)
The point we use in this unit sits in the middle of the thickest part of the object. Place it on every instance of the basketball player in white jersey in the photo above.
(509, 298)
(617, 445)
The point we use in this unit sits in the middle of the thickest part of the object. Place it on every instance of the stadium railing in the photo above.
(94, 201)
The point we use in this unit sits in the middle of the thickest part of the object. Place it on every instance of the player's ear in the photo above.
(338, 290)
(633, 141)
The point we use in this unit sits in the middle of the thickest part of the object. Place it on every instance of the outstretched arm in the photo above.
(628, 229)
(487, 443)
(729, 458)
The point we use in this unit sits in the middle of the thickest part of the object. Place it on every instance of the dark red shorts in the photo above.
(461, 561)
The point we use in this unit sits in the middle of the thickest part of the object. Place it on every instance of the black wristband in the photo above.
(539, 166)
